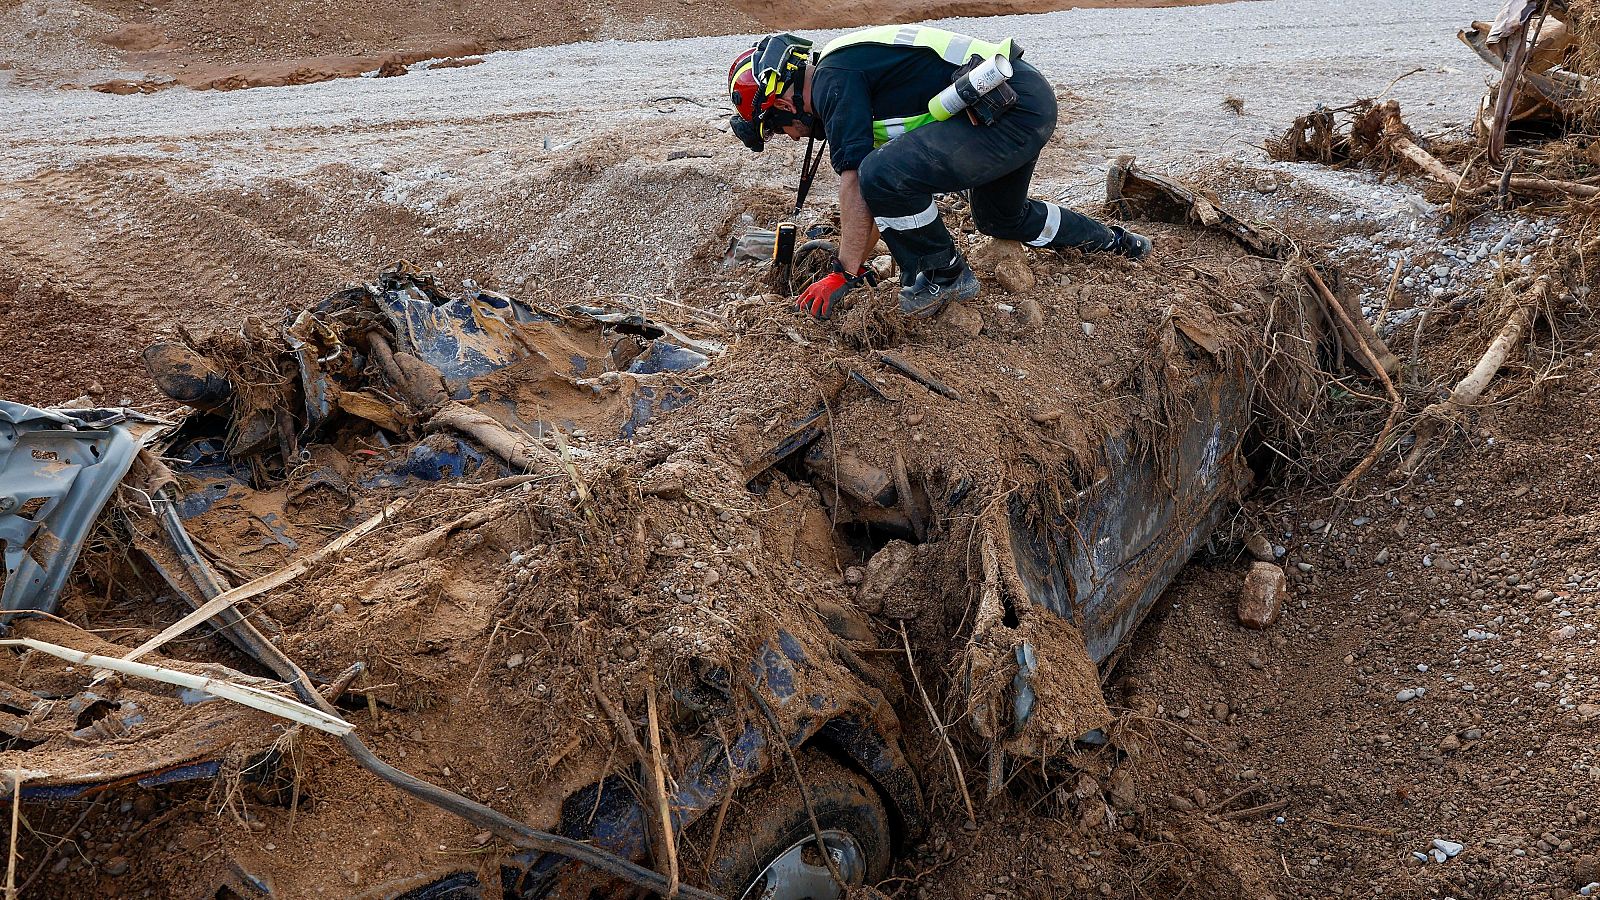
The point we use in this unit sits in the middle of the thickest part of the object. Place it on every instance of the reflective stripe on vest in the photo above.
(953, 47)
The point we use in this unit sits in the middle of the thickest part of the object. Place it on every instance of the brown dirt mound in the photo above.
(232, 45)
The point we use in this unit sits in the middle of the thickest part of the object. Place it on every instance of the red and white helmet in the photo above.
(758, 77)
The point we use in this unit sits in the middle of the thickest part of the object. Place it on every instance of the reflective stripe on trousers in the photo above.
(907, 223)
(1052, 224)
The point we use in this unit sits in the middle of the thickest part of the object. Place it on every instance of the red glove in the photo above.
(820, 297)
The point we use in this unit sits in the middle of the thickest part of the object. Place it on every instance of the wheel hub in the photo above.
(800, 873)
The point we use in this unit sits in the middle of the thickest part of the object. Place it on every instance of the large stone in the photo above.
(962, 318)
(1262, 597)
(988, 254)
(889, 576)
(1014, 275)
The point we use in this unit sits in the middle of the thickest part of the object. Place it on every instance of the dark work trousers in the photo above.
(995, 162)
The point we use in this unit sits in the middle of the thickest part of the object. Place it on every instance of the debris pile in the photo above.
(626, 561)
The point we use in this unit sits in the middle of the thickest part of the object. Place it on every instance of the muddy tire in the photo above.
(768, 833)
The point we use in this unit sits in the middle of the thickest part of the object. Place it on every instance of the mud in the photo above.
(1219, 732)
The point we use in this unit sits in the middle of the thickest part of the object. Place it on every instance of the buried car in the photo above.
(599, 561)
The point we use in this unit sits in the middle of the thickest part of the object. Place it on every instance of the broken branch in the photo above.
(1396, 405)
(243, 694)
(228, 598)
(658, 778)
(1469, 390)
(938, 726)
(660, 829)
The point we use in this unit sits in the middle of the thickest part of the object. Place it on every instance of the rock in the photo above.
(1585, 869)
(95, 389)
(1030, 312)
(1383, 557)
(1588, 712)
(962, 318)
(117, 865)
(1259, 547)
(514, 660)
(1219, 711)
(989, 255)
(1448, 848)
(1088, 328)
(1564, 633)
(1182, 804)
(1450, 744)
(1262, 597)
(854, 575)
(1406, 695)
(1267, 184)
(1015, 276)
(1094, 311)
(888, 577)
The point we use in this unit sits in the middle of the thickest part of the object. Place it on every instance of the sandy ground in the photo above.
(97, 192)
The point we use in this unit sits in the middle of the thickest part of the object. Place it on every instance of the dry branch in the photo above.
(1469, 390)
(243, 694)
(938, 726)
(658, 779)
(265, 583)
(1396, 405)
(1398, 137)
(660, 829)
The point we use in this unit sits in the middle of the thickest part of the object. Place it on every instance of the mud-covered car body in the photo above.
(1099, 565)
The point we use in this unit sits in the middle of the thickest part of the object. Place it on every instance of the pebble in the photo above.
(514, 660)
(1303, 566)
(1406, 695)
(1383, 557)
(1259, 547)
(1448, 848)
(1088, 328)
(117, 865)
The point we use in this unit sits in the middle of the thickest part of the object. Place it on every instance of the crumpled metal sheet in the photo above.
(57, 470)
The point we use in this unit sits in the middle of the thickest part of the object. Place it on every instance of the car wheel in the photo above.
(768, 849)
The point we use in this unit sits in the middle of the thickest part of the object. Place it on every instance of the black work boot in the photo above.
(1127, 243)
(943, 278)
